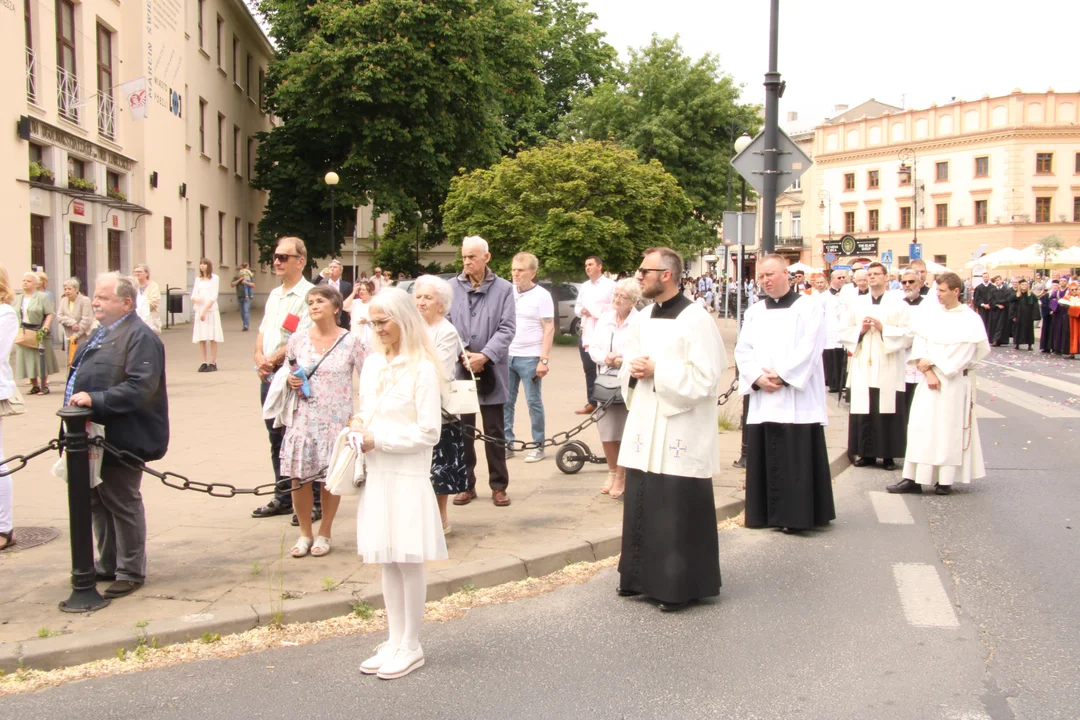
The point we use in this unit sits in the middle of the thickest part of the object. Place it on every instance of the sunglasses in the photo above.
(907, 282)
(645, 270)
(284, 257)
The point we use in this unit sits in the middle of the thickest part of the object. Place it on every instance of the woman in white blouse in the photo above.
(357, 305)
(207, 325)
(9, 326)
(399, 423)
(605, 348)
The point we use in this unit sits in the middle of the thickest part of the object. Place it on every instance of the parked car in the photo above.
(564, 295)
(407, 284)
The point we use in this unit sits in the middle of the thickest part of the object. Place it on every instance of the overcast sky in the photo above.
(847, 51)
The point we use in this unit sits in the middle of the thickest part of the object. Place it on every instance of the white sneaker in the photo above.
(382, 655)
(403, 663)
(534, 456)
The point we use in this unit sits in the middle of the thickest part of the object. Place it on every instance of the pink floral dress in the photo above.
(310, 439)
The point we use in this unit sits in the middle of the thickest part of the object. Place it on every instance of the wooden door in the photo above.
(114, 250)
(37, 242)
(79, 257)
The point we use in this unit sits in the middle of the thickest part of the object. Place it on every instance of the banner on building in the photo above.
(136, 98)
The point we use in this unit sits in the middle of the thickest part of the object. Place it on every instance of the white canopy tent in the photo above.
(795, 267)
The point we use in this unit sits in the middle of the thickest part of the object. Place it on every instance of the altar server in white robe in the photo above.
(834, 356)
(788, 482)
(911, 284)
(877, 334)
(943, 434)
(671, 375)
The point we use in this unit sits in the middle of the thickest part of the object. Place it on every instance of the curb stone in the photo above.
(78, 648)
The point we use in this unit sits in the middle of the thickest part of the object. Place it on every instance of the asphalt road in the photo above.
(906, 607)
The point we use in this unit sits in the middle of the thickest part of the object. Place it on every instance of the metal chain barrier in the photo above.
(23, 459)
(722, 400)
(560, 438)
(179, 482)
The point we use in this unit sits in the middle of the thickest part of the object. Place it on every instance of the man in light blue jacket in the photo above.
(483, 314)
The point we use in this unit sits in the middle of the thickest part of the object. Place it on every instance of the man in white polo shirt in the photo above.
(593, 300)
(285, 313)
(530, 348)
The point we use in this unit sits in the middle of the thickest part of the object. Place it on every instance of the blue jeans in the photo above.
(245, 310)
(523, 370)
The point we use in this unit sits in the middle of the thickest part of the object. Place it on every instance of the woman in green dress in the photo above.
(35, 311)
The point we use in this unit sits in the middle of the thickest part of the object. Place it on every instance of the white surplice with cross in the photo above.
(672, 424)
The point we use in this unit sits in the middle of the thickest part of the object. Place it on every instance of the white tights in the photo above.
(404, 587)
(5, 489)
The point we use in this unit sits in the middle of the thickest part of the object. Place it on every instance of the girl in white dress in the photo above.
(207, 325)
(398, 522)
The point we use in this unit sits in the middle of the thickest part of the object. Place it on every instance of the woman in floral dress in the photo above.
(322, 415)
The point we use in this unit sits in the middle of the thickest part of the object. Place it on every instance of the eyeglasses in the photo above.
(907, 282)
(284, 257)
(645, 271)
(379, 324)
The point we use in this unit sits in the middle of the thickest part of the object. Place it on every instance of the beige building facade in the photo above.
(135, 139)
(998, 171)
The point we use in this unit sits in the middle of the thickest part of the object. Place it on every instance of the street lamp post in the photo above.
(419, 220)
(331, 178)
(826, 197)
(774, 88)
(908, 173)
(741, 144)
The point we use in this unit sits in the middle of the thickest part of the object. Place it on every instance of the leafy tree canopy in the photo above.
(566, 201)
(396, 96)
(678, 111)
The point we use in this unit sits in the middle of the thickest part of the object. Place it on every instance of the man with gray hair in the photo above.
(483, 314)
(333, 279)
(529, 351)
(119, 375)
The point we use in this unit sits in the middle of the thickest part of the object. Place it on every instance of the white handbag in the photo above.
(347, 470)
(463, 398)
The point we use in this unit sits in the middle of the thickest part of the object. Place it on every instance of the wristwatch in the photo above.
(543, 361)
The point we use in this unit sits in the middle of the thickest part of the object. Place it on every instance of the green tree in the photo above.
(393, 95)
(566, 201)
(574, 58)
(678, 111)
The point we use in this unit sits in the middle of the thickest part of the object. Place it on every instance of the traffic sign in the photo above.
(732, 227)
(791, 162)
(915, 251)
(841, 267)
(887, 257)
(830, 258)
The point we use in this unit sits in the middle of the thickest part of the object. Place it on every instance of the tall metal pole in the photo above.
(772, 136)
(914, 199)
(333, 246)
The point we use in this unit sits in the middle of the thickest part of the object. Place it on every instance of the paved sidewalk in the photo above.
(212, 567)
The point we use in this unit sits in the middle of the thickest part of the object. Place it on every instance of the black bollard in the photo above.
(741, 462)
(84, 594)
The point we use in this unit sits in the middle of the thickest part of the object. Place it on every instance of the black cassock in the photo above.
(982, 297)
(788, 480)
(1046, 329)
(1025, 312)
(1000, 330)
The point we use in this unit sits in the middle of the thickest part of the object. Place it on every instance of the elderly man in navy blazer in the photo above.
(119, 375)
(484, 315)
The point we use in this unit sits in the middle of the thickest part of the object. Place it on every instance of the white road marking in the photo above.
(1049, 381)
(986, 413)
(1028, 401)
(891, 509)
(923, 597)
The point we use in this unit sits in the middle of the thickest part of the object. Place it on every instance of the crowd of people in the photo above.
(901, 349)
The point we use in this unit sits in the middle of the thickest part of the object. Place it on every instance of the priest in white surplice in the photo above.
(788, 483)
(876, 334)
(943, 436)
(834, 356)
(671, 371)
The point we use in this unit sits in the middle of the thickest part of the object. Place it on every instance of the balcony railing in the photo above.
(790, 241)
(31, 76)
(106, 117)
(67, 95)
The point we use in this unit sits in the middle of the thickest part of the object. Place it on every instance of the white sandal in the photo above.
(321, 546)
(301, 548)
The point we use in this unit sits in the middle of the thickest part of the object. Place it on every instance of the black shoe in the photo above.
(943, 489)
(120, 588)
(905, 486)
(102, 577)
(316, 516)
(740, 463)
(270, 509)
(674, 607)
(621, 592)
(203, 367)
(889, 464)
(244, 330)
(212, 367)
(863, 462)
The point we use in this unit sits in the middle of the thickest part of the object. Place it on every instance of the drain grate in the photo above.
(28, 537)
